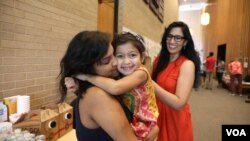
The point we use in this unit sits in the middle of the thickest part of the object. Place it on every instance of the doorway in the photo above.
(221, 55)
(221, 52)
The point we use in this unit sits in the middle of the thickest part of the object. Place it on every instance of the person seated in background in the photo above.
(226, 80)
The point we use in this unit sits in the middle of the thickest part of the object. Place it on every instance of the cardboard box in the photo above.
(41, 122)
(11, 103)
(65, 112)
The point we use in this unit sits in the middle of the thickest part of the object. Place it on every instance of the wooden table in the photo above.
(245, 85)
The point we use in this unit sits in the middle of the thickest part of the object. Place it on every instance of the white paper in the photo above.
(23, 104)
(245, 65)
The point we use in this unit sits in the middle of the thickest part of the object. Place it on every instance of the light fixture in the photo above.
(205, 18)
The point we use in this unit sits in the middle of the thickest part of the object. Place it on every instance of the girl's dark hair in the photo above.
(126, 37)
(187, 51)
(84, 50)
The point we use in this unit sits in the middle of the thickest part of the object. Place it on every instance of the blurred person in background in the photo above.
(210, 65)
(235, 72)
(220, 70)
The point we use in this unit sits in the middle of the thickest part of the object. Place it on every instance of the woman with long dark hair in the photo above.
(176, 71)
(98, 115)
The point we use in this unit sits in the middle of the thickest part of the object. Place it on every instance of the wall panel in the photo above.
(229, 24)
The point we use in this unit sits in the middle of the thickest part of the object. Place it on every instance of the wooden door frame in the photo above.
(116, 12)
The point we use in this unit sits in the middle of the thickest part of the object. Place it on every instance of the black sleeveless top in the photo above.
(85, 134)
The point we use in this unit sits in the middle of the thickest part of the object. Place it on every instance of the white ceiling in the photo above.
(186, 5)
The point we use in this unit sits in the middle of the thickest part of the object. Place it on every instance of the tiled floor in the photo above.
(212, 108)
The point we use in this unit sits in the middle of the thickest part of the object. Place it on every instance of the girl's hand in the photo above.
(71, 84)
(152, 136)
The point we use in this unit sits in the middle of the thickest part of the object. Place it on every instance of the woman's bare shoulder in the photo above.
(187, 67)
(187, 64)
(98, 95)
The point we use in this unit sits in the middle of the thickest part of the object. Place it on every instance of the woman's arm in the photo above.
(116, 87)
(109, 115)
(184, 86)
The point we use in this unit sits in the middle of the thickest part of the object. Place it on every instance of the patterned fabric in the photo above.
(235, 67)
(142, 102)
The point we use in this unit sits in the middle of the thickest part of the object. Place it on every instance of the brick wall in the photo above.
(33, 37)
(141, 19)
(35, 33)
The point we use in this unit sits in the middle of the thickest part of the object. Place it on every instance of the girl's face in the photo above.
(175, 41)
(108, 64)
(128, 58)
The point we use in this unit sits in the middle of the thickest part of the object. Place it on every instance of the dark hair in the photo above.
(188, 51)
(211, 54)
(126, 37)
(84, 50)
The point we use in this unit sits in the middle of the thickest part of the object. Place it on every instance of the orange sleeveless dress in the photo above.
(174, 125)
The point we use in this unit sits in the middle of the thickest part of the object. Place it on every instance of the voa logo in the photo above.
(236, 132)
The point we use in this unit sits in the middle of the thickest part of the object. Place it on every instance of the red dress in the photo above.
(174, 125)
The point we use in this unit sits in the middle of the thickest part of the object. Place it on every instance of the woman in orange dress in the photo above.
(176, 71)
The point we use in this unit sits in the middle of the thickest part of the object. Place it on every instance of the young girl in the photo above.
(140, 96)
